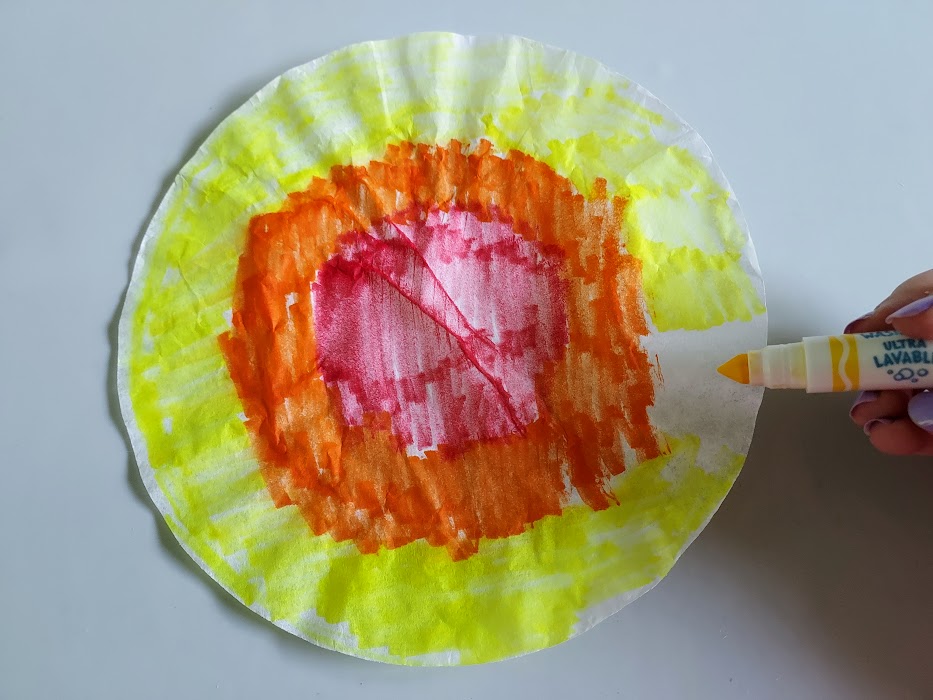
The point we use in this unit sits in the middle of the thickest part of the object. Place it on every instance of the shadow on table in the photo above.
(846, 534)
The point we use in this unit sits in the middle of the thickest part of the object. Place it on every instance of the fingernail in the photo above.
(915, 308)
(853, 324)
(920, 410)
(863, 397)
(875, 422)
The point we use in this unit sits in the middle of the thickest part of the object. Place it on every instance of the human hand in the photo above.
(899, 422)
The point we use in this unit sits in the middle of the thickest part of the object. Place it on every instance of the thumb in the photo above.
(915, 319)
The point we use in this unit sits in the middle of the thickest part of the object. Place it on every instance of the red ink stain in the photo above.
(443, 324)
(434, 345)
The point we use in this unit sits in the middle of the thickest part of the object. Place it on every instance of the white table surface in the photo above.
(815, 580)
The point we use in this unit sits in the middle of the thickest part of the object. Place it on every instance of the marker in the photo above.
(866, 361)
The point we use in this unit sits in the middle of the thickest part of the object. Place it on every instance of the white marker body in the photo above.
(868, 361)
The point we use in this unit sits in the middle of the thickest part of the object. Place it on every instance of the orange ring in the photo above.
(355, 482)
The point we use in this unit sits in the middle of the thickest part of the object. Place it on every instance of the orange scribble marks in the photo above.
(656, 371)
(357, 481)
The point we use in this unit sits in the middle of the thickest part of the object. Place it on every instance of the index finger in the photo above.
(915, 319)
(917, 326)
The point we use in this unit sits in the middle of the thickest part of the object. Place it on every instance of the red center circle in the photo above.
(442, 323)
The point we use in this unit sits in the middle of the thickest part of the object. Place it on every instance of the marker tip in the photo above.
(736, 369)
